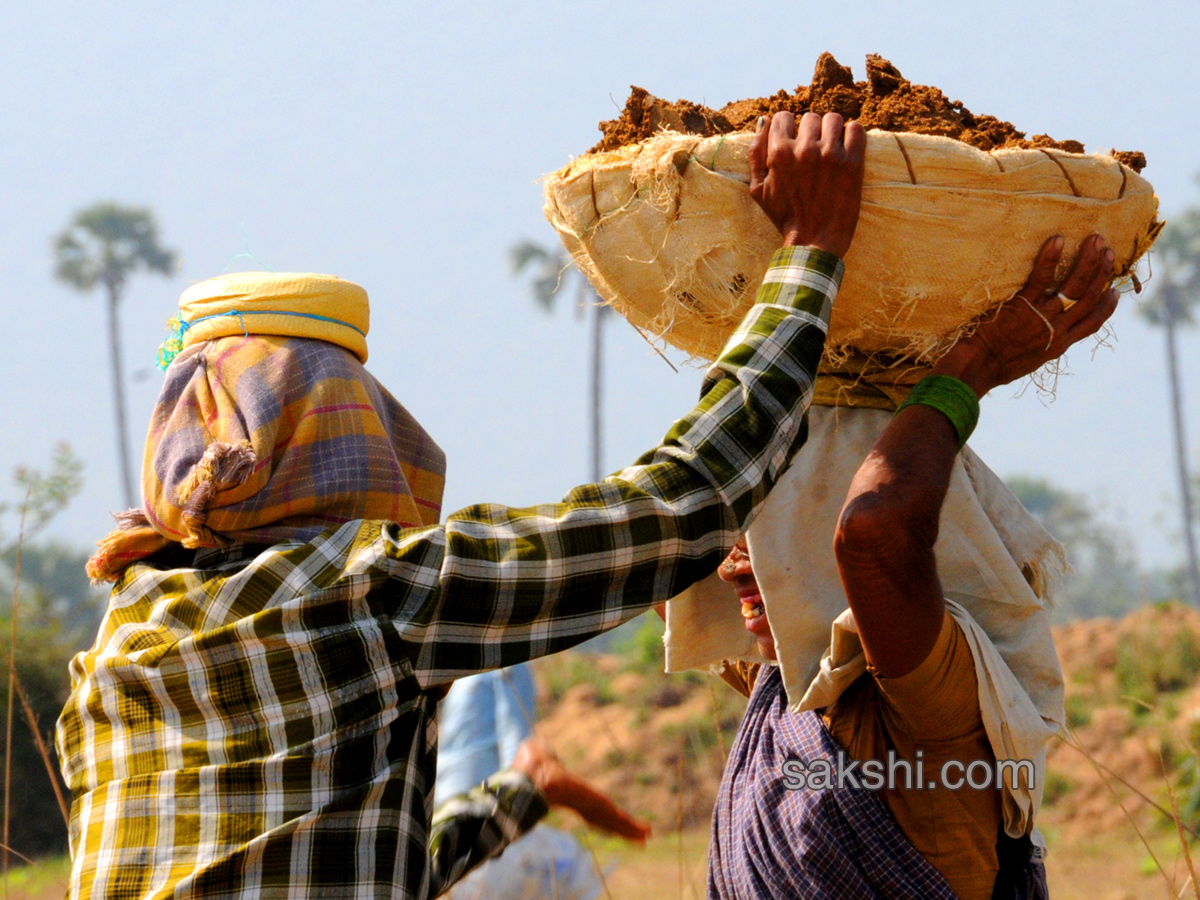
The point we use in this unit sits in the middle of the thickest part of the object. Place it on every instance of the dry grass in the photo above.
(17, 691)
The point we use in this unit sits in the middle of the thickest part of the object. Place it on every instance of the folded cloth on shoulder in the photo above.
(997, 565)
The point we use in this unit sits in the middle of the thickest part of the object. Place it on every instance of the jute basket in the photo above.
(666, 231)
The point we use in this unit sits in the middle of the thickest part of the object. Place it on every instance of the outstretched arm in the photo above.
(561, 788)
(499, 585)
(889, 523)
(480, 824)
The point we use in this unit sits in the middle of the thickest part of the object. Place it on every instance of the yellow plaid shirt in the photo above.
(259, 722)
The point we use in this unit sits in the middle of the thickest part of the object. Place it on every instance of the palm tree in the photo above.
(548, 268)
(104, 244)
(1171, 306)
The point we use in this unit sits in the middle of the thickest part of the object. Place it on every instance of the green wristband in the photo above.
(952, 398)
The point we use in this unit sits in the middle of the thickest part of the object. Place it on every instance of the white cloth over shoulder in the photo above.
(997, 566)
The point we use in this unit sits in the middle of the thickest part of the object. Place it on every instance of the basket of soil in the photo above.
(659, 217)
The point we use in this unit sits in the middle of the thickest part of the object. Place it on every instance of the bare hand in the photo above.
(808, 179)
(562, 788)
(1035, 326)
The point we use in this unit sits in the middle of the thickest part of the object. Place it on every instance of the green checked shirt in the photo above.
(260, 723)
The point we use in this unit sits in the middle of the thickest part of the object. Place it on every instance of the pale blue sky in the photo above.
(399, 145)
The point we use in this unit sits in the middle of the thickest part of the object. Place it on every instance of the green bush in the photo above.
(1057, 786)
(614, 758)
(642, 651)
(563, 671)
(695, 734)
(1188, 788)
(1084, 675)
(1079, 711)
(605, 693)
(1149, 665)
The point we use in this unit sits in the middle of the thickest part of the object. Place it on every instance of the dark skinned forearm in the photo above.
(889, 524)
(885, 538)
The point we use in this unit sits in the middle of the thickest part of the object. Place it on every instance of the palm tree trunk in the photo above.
(118, 384)
(1189, 537)
(597, 379)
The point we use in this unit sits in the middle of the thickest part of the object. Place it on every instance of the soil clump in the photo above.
(886, 100)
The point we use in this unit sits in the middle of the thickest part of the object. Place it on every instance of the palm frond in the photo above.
(524, 252)
(1177, 291)
(548, 267)
(107, 242)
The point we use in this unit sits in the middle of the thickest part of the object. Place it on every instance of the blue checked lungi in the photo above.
(771, 842)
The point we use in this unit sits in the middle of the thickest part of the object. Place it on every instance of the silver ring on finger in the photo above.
(1066, 301)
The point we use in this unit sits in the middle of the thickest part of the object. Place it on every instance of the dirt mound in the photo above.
(657, 742)
(1096, 653)
(886, 100)
(654, 742)
(1133, 700)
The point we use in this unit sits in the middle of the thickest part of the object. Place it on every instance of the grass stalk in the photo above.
(18, 855)
(1103, 770)
(12, 679)
(1179, 830)
(679, 821)
(587, 843)
(43, 751)
(1100, 770)
(716, 712)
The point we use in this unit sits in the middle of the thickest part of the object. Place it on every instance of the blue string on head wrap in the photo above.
(173, 346)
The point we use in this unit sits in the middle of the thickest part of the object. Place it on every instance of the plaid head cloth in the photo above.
(262, 438)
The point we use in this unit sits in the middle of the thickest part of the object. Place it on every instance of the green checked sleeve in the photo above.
(513, 584)
(475, 826)
(259, 721)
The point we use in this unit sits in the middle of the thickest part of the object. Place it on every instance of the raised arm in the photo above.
(505, 585)
(889, 523)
